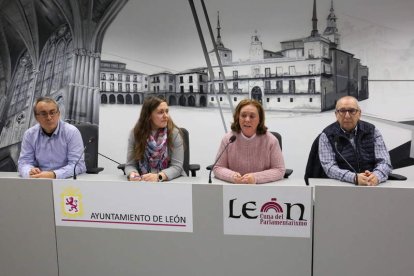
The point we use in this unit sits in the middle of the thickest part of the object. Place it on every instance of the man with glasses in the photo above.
(51, 148)
(353, 150)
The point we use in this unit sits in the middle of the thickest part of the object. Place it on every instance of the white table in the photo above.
(31, 244)
(360, 230)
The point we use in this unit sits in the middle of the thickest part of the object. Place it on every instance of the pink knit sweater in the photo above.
(260, 155)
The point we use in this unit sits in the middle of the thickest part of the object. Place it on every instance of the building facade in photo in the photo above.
(120, 85)
(187, 88)
(307, 74)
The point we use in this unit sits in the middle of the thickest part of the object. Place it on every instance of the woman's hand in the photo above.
(248, 178)
(134, 176)
(150, 177)
(237, 178)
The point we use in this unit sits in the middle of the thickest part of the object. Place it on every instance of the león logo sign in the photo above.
(271, 212)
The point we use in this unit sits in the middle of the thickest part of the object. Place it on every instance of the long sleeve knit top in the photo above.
(260, 155)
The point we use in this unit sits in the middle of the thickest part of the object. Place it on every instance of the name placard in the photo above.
(124, 205)
(267, 210)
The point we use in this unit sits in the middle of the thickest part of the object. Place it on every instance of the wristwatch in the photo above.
(160, 179)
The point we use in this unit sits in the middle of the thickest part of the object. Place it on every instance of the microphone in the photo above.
(83, 152)
(343, 158)
(231, 140)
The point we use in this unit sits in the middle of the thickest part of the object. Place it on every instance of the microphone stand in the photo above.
(83, 152)
(231, 140)
(343, 158)
(109, 158)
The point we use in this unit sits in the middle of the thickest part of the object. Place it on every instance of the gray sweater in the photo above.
(175, 168)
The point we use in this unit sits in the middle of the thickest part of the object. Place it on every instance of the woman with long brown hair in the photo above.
(155, 145)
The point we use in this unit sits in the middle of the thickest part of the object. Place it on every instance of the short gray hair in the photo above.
(46, 100)
(347, 98)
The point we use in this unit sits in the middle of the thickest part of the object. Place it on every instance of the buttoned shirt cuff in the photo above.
(26, 174)
(349, 177)
(380, 176)
(24, 171)
(60, 174)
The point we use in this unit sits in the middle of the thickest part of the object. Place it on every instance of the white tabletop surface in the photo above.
(292, 181)
(182, 179)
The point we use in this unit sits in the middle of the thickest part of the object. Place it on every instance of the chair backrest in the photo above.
(89, 133)
(279, 137)
(7, 163)
(186, 141)
(313, 167)
(288, 172)
(400, 156)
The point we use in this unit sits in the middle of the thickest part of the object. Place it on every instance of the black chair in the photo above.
(193, 168)
(90, 133)
(288, 172)
(314, 168)
(189, 169)
(7, 163)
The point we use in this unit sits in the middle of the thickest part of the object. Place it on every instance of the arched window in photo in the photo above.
(69, 65)
(47, 70)
(22, 82)
(21, 88)
(55, 63)
(58, 66)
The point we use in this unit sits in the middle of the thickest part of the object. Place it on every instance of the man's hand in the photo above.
(40, 174)
(367, 178)
(34, 171)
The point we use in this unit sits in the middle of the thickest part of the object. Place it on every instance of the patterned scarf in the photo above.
(156, 152)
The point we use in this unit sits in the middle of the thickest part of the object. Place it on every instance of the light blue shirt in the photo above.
(58, 153)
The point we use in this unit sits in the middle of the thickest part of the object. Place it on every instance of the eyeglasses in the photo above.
(45, 114)
(343, 111)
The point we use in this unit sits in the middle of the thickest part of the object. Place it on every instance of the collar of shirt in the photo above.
(56, 132)
(350, 134)
(247, 138)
